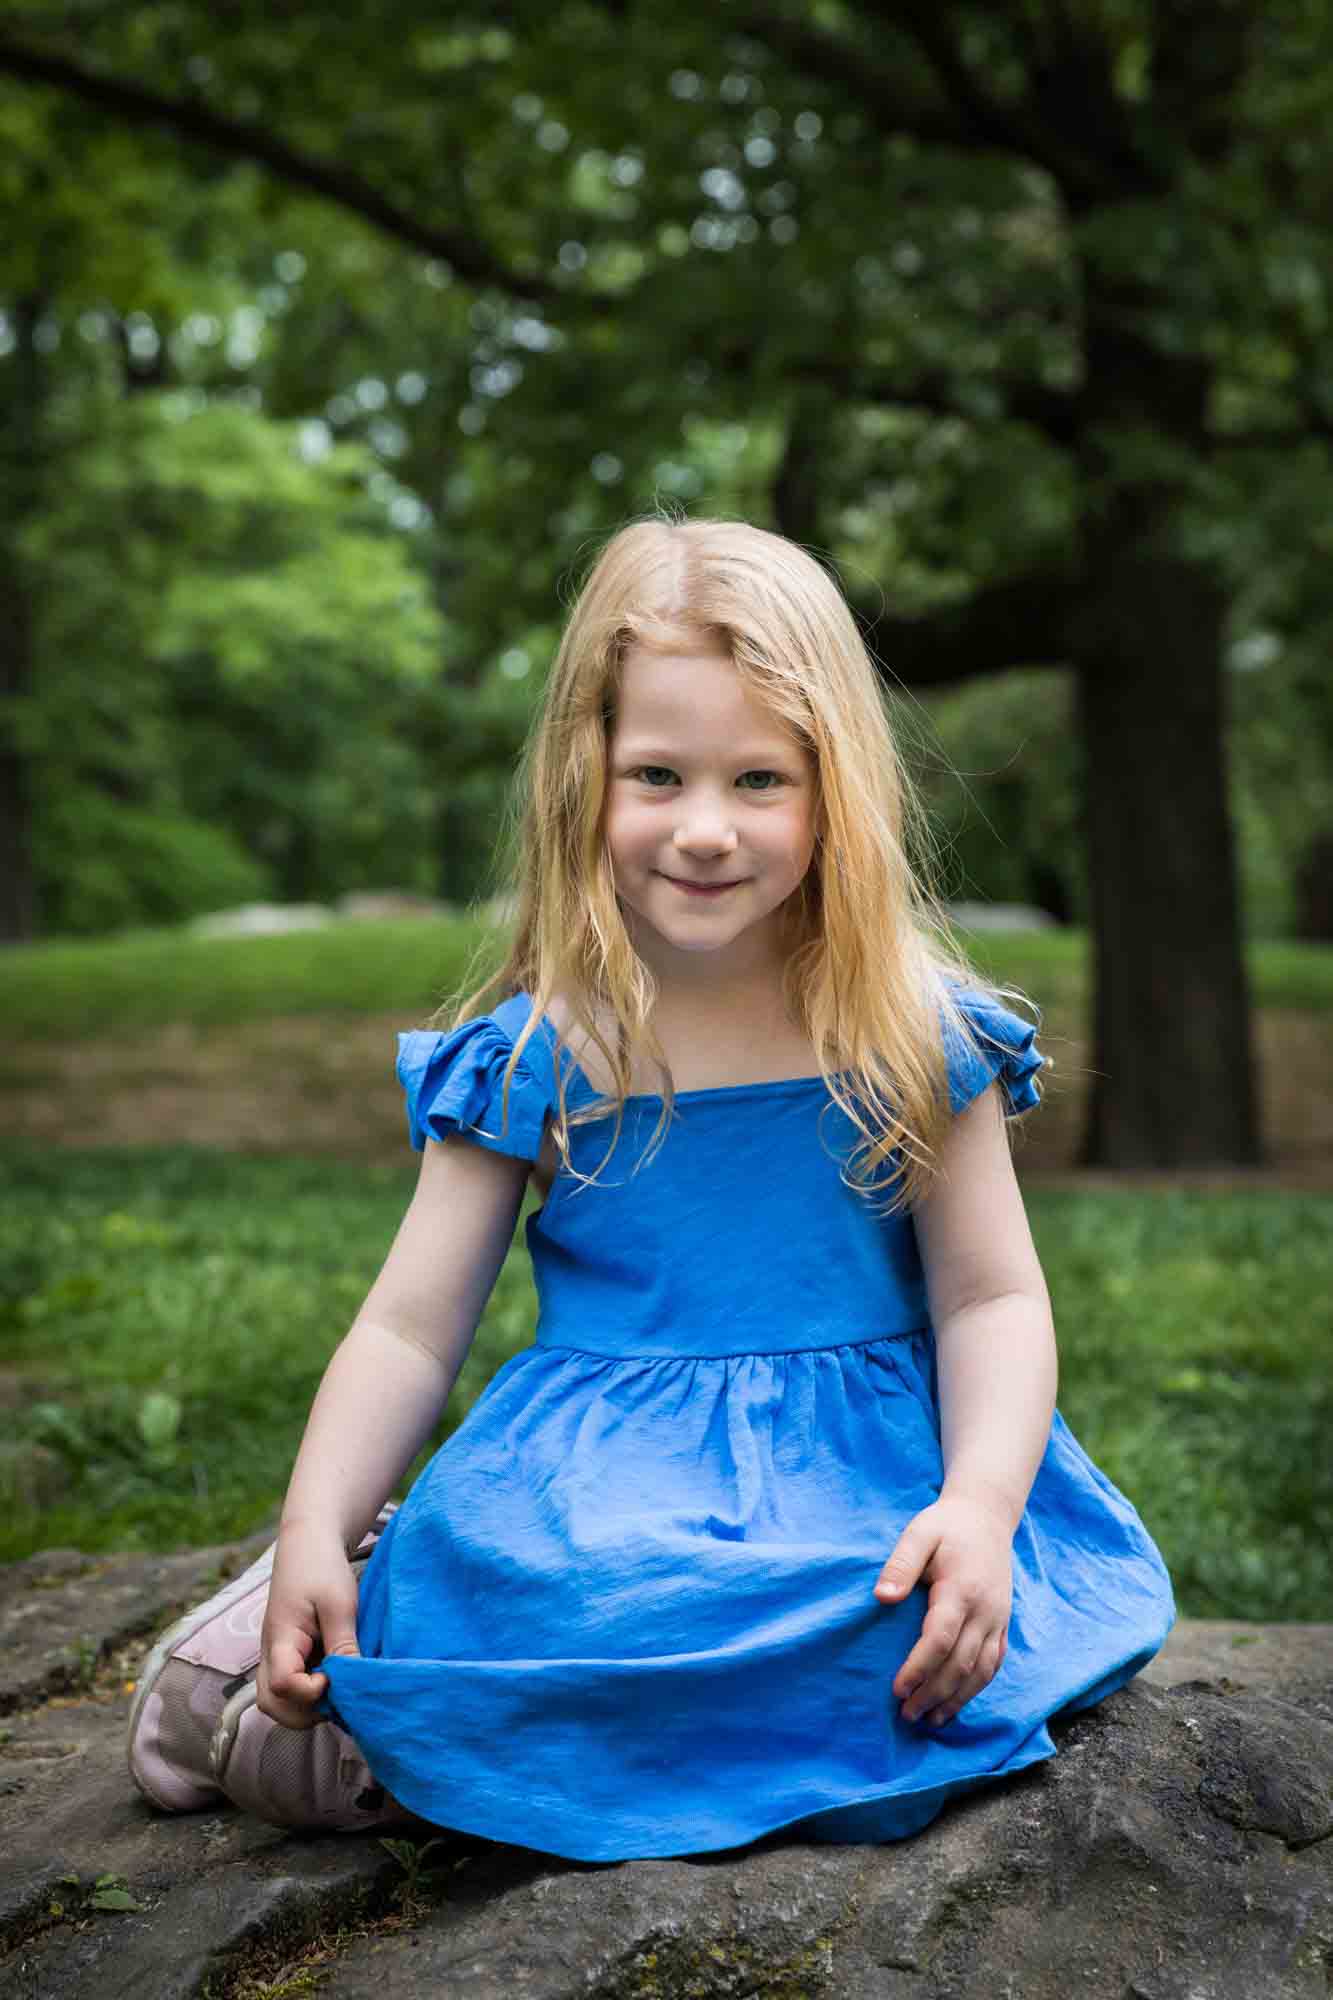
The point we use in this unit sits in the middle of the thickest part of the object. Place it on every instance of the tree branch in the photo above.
(1084, 178)
(1017, 623)
(878, 88)
(466, 254)
(1304, 426)
(1051, 411)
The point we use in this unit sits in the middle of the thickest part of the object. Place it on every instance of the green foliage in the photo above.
(272, 637)
(112, 1892)
(756, 273)
(999, 764)
(1193, 1329)
(999, 770)
(105, 865)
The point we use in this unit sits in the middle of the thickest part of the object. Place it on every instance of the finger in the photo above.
(294, 1701)
(285, 1663)
(947, 1675)
(913, 1550)
(988, 1665)
(939, 1636)
(292, 1714)
(936, 1689)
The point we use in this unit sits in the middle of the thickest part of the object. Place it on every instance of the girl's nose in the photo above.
(705, 832)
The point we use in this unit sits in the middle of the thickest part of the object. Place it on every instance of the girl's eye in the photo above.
(646, 771)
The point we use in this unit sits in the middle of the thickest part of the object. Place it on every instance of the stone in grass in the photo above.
(262, 920)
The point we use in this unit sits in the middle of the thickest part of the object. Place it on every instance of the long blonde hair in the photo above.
(870, 964)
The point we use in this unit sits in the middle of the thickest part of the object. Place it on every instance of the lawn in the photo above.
(145, 979)
(165, 1315)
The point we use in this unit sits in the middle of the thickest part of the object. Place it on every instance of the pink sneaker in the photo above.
(201, 1662)
(296, 1777)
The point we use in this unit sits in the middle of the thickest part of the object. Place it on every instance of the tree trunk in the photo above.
(18, 478)
(1173, 1075)
(1314, 891)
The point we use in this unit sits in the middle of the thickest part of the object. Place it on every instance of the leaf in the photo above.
(113, 1899)
(159, 1419)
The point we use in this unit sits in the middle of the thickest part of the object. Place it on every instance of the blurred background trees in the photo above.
(333, 343)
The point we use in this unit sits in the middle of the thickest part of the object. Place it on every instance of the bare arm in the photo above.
(994, 1337)
(381, 1395)
(390, 1378)
(997, 1365)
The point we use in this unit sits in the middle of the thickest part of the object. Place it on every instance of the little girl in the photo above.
(775, 1525)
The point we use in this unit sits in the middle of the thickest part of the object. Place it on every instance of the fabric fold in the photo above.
(1001, 1047)
(455, 1083)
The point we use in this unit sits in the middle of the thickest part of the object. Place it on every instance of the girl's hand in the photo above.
(964, 1550)
(311, 1611)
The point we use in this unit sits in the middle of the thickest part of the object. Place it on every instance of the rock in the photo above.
(205, 1883)
(62, 1612)
(262, 920)
(1176, 1848)
(1268, 1769)
(1000, 917)
(1267, 1658)
(374, 905)
(1104, 1871)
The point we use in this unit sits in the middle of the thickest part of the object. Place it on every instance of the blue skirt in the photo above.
(627, 1610)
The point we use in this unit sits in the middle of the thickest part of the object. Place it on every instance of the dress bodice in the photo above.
(742, 1234)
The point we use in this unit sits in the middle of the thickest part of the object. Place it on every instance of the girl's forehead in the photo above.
(694, 696)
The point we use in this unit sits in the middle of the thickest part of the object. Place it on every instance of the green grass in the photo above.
(145, 979)
(132, 1282)
(1194, 1339)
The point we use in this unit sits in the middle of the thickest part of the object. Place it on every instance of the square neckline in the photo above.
(656, 1096)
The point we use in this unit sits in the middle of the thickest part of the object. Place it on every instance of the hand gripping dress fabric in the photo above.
(626, 1611)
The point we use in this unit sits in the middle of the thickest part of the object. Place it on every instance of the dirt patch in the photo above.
(295, 1084)
(326, 1084)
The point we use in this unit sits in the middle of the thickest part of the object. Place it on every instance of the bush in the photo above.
(104, 865)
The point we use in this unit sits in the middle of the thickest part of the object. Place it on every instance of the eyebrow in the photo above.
(762, 754)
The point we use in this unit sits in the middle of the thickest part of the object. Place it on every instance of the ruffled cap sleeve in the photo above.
(999, 1047)
(454, 1083)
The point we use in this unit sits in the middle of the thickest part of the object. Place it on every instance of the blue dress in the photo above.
(626, 1611)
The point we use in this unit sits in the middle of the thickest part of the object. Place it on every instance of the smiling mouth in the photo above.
(700, 888)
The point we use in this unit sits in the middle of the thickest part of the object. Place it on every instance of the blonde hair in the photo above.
(869, 960)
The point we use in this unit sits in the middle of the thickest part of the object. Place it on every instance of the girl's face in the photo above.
(704, 786)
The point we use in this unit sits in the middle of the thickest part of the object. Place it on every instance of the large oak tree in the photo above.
(1011, 306)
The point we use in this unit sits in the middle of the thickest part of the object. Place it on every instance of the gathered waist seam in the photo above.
(735, 1354)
